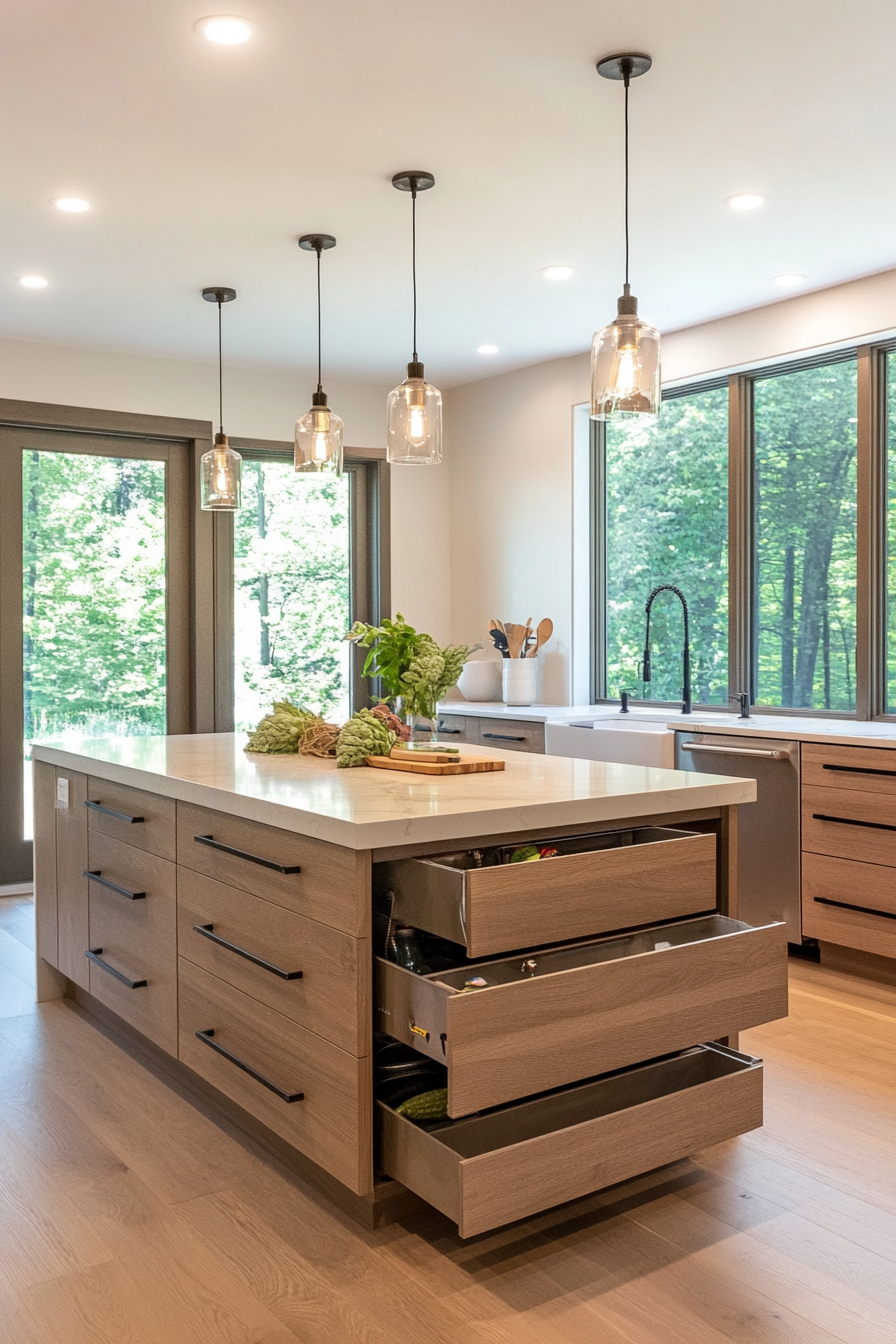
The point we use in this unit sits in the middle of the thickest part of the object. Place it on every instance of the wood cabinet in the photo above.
(506, 733)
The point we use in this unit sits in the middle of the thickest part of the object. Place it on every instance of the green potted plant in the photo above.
(414, 671)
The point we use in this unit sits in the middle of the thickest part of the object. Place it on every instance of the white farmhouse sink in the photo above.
(625, 741)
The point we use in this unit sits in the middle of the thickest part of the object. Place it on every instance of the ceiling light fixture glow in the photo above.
(227, 30)
(790, 280)
(556, 272)
(71, 205)
(414, 408)
(487, 349)
(221, 468)
(318, 437)
(34, 282)
(746, 200)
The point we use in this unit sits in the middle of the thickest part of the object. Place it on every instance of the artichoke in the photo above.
(278, 734)
(364, 735)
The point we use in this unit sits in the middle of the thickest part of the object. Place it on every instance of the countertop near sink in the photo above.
(367, 809)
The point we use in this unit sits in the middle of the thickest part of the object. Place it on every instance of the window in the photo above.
(667, 522)
(805, 528)
(890, 506)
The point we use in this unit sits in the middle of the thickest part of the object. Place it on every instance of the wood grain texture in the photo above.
(71, 885)
(155, 833)
(332, 888)
(44, 776)
(332, 1124)
(138, 938)
(331, 999)
(512, 735)
(472, 766)
(844, 880)
(815, 756)
(843, 841)
(498, 1187)
(514, 1040)
(574, 895)
(466, 724)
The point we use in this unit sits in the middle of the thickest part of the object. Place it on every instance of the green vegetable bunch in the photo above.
(392, 648)
(410, 663)
(278, 734)
(364, 735)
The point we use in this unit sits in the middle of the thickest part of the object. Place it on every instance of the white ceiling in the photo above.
(204, 163)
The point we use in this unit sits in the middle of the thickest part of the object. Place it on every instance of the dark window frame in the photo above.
(871, 539)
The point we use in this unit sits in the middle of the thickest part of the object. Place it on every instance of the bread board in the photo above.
(471, 765)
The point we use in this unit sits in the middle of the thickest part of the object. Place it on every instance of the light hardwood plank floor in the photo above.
(129, 1216)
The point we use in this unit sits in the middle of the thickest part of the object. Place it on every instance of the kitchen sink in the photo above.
(626, 741)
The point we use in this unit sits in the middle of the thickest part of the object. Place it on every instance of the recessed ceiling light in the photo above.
(72, 205)
(791, 280)
(556, 272)
(226, 29)
(745, 201)
(34, 282)
(487, 349)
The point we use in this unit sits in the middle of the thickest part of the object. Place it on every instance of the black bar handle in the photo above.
(504, 737)
(850, 821)
(446, 732)
(858, 770)
(288, 1097)
(207, 931)
(95, 875)
(863, 909)
(241, 854)
(95, 955)
(111, 812)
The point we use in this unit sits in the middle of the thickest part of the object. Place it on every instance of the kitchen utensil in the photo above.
(500, 641)
(515, 635)
(543, 633)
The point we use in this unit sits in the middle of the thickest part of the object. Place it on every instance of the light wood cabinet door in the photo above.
(140, 819)
(71, 884)
(848, 824)
(853, 904)
(855, 769)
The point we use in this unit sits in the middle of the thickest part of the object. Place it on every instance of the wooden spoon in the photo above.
(543, 633)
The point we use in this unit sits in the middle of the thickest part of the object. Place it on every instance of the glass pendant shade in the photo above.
(414, 421)
(625, 366)
(220, 484)
(318, 443)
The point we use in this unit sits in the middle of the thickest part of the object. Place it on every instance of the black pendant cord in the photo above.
(414, 260)
(319, 388)
(220, 375)
(627, 77)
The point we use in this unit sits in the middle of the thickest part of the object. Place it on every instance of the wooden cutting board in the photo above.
(472, 765)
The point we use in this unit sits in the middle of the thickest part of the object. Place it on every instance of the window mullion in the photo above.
(741, 562)
(871, 535)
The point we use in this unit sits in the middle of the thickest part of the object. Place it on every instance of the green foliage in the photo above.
(93, 595)
(393, 646)
(364, 735)
(410, 664)
(279, 733)
(291, 591)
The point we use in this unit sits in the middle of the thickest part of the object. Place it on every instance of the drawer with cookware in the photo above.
(132, 947)
(495, 900)
(324, 882)
(315, 1096)
(491, 1169)
(510, 1028)
(135, 816)
(309, 972)
(512, 735)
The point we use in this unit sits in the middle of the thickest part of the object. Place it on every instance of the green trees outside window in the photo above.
(667, 522)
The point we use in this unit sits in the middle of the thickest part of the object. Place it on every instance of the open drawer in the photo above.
(489, 1170)
(612, 880)
(561, 1014)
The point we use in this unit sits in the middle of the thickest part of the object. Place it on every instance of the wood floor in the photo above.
(127, 1216)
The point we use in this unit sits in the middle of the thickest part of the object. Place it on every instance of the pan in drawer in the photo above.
(489, 1170)
(561, 1014)
(614, 880)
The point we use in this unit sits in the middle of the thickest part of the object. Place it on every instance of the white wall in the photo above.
(261, 404)
(509, 442)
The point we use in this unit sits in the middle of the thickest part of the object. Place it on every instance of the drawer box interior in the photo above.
(489, 1170)
(595, 883)
(530, 1023)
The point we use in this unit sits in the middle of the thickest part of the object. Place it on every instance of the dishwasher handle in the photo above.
(769, 754)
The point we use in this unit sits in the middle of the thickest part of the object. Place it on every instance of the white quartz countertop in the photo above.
(368, 809)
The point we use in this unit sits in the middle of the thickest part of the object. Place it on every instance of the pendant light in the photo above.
(221, 467)
(625, 355)
(318, 441)
(414, 409)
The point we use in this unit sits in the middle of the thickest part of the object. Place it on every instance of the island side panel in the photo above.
(71, 884)
(50, 983)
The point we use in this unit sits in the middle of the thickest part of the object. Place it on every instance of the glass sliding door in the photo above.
(85, 604)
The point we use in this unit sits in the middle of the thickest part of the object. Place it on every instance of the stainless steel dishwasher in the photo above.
(768, 842)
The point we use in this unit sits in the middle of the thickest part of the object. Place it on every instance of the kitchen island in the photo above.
(234, 916)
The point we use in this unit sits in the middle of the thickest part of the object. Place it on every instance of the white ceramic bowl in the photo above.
(481, 680)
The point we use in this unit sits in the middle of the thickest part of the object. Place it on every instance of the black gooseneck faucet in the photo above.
(686, 653)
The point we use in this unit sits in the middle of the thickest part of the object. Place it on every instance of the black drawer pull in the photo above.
(206, 1037)
(504, 737)
(850, 821)
(110, 812)
(858, 770)
(95, 955)
(95, 875)
(449, 732)
(241, 854)
(207, 931)
(845, 905)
